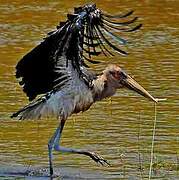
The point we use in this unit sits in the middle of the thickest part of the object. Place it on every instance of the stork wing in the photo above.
(86, 33)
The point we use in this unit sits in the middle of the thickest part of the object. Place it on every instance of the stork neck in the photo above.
(102, 88)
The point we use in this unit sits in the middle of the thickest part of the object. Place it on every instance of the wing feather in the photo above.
(87, 32)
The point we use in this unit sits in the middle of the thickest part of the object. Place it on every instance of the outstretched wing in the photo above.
(86, 33)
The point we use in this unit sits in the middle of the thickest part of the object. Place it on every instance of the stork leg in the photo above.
(92, 155)
(54, 144)
(56, 135)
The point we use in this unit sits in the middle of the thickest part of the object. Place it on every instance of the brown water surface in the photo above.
(120, 128)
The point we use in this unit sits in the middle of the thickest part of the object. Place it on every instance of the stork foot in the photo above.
(97, 158)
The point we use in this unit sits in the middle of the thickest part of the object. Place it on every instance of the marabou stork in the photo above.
(56, 69)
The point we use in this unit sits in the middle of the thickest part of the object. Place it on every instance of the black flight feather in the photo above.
(40, 69)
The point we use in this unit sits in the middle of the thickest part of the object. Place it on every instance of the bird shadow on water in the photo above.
(39, 173)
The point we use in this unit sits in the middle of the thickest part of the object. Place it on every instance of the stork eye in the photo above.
(115, 74)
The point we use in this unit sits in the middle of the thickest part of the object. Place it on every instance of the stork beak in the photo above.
(133, 85)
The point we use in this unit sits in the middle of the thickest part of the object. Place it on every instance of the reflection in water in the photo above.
(120, 128)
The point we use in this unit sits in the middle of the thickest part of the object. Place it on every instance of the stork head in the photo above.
(120, 79)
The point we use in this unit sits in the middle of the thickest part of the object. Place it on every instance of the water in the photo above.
(120, 128)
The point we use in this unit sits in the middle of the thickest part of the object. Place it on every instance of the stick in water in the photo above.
(153, 136)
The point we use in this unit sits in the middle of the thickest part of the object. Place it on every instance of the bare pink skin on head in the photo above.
(114, 78)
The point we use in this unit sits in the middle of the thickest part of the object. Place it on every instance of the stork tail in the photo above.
(31, 111)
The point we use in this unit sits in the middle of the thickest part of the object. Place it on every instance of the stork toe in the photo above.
(98, 159)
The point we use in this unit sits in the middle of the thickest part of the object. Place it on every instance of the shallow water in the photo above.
(120, 128)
